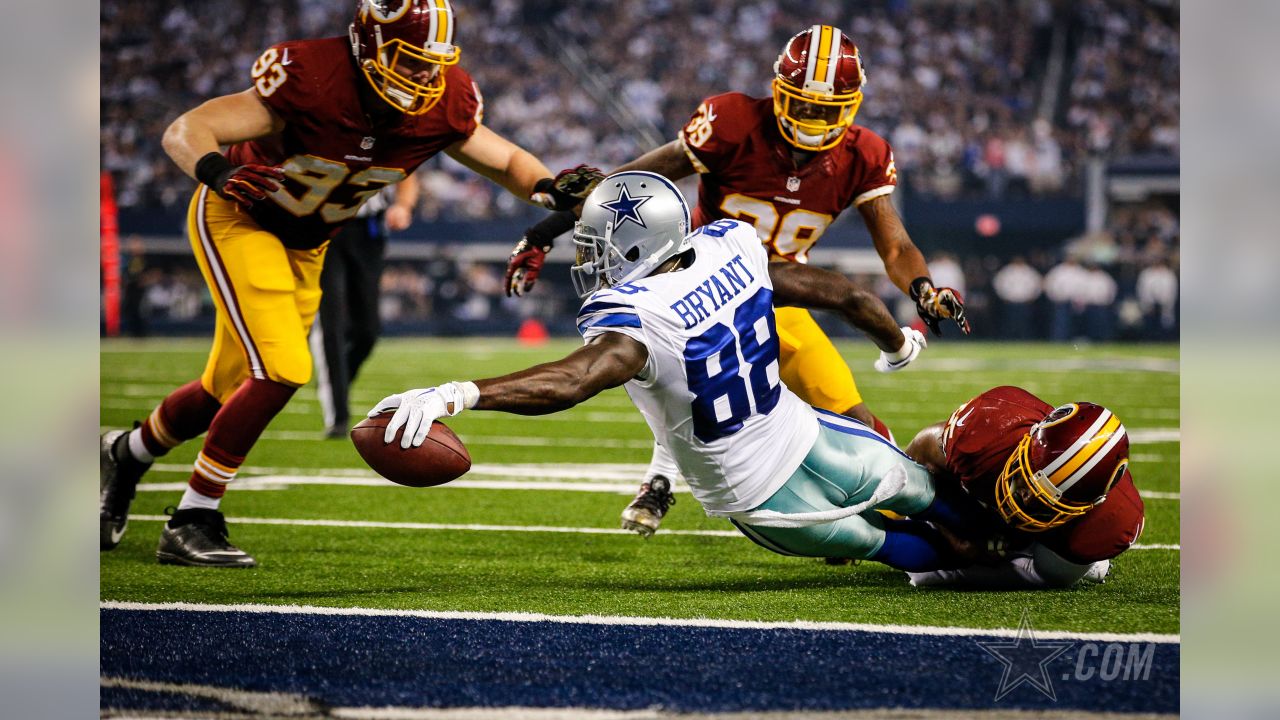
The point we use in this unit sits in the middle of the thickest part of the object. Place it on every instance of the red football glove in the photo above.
(568, 189)
(247, 184)
(937, 304)
(524, 266)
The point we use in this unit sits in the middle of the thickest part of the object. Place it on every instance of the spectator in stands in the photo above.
(1063, 286)
(1098, 291)
(946, 272)
(1018, 286)
(947, 76)
(1158, 298)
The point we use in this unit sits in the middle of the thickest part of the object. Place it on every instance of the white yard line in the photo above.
(810, 625)
(381, 525)
(1136, 436)
(377, 524)
(619, 479)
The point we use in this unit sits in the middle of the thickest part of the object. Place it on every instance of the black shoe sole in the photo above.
(171, 559)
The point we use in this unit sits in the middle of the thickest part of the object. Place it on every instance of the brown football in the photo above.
(440, 458)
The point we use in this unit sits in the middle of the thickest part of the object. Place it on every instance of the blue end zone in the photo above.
(354, 661)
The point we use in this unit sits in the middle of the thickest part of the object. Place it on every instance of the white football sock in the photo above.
(137, 448)
(192, 499)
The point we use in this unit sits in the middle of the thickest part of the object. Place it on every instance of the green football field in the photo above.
(533, 527)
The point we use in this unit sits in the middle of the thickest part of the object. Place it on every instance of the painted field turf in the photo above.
(474, 567)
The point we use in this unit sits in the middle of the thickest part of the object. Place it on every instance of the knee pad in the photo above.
(291, 367)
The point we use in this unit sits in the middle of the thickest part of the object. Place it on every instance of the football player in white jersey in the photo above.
(685, 322)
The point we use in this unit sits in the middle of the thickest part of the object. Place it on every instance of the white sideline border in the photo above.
(385, 525)
(805, 625)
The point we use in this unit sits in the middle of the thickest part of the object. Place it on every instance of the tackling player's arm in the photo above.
(608, 361)
(502, 161)
(806, 286)
(194, 143)
(906, 267)
(926, 448)
(529, 255)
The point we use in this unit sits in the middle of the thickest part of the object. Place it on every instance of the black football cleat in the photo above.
(119, 473)
(645, 513)
(197, 537)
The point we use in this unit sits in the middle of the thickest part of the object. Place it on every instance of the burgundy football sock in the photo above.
(184, 414)
(234, 430)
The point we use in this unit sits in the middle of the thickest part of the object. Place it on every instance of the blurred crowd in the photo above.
(439, 295)
(1121, 284)
(966, 92)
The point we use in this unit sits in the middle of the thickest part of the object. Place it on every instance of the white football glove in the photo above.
(913, 342)
(417, 409)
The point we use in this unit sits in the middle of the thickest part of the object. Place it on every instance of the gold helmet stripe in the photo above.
(1051, 470)
(822, 62)
(1094, 441)
(1111, 436)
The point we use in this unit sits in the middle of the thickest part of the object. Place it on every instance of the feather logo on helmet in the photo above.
(387, 10)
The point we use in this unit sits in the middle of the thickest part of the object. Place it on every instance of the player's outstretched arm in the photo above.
(607, 361)
(817, 289)
(906, 266)
(502, 161)
(221, 121)
(669, 161)
(809, 287)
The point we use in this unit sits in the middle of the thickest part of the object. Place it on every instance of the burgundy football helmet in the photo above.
(404, 47)
(817, 87)
(1064, 466)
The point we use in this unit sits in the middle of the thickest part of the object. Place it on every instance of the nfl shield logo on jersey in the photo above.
(793, 184)
(366, 143)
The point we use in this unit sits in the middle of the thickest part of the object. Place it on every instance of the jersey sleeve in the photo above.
(282, 76)
(1106, 530)
(609, 311)
(716, 130)
(979, 436)
(464, 106)
(876, 175)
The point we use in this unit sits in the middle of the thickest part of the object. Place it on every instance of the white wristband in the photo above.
(903, 352)
(470, 394)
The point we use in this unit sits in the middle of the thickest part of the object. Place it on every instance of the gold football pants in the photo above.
(266, 297)
(810, 365)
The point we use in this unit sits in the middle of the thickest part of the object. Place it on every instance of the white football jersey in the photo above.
(710, 390)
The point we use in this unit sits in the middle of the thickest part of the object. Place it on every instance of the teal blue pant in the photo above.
(844, 468)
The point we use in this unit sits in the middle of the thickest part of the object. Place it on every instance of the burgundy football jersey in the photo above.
(978, 439)
(747, 173)
(334, 159)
